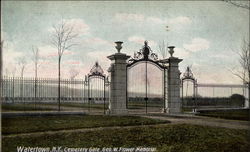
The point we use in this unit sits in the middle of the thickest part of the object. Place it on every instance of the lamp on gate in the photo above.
(118, 45)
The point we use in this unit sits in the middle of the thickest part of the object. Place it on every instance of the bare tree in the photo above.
(244, 53)
(6, 72)
(22, 63)
(163, 49)
(35, 58)
(13, 71)
(1, 66)
(73, 73)
(62, 38)
(240, 4)
(244, 61)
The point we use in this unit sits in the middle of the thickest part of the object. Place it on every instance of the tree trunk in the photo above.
(72, 89)
(21, 89)
(1, 66)
(22, 85)
(13, 90)
(35, 83)
(59, 83)
(248, 95)
(248, 81)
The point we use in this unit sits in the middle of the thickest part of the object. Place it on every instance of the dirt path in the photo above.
(196, 120)
(205, 121)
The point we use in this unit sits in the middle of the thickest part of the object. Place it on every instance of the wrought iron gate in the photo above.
(146, 82)
(189, 77)
(97, 85)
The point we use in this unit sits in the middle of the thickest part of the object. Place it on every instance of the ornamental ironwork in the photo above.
(144, 54)
(96, 70)
(188, 74)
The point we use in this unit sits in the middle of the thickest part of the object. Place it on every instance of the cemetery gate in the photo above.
(146, 82)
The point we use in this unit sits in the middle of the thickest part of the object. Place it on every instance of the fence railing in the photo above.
(38, 92)
(214, 95)
(17, 88)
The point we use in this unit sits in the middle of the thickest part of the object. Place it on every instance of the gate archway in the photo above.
(97, 90)
(146, 82)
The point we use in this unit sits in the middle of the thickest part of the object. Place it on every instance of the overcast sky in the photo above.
(204, 33)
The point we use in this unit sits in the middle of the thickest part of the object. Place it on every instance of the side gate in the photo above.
(97, 90)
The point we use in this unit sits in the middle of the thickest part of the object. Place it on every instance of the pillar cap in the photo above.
(115, 56)
(171, 59)
(174, 59)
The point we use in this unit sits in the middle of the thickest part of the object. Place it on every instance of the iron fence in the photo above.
(30, 94)
(200, 95)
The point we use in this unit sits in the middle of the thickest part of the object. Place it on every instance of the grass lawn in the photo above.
(239, 114)
(86, 105)
(142, 104)
(187, 109)
(33, 124)
(27, 107)
(81, 106)
(172, 138)
(49, 106)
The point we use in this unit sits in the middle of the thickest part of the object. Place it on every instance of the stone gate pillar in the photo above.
(173, 104)
(118, 82)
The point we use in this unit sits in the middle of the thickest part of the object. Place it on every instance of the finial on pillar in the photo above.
(118, 45)
(171, 50)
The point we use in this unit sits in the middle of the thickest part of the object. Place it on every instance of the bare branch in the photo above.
(69, 46)
(244, 61)
(73, 73)
(13, 71)
(22, 63)
(62, 37)
(163, 49)
(36, 58)
(237, 73)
